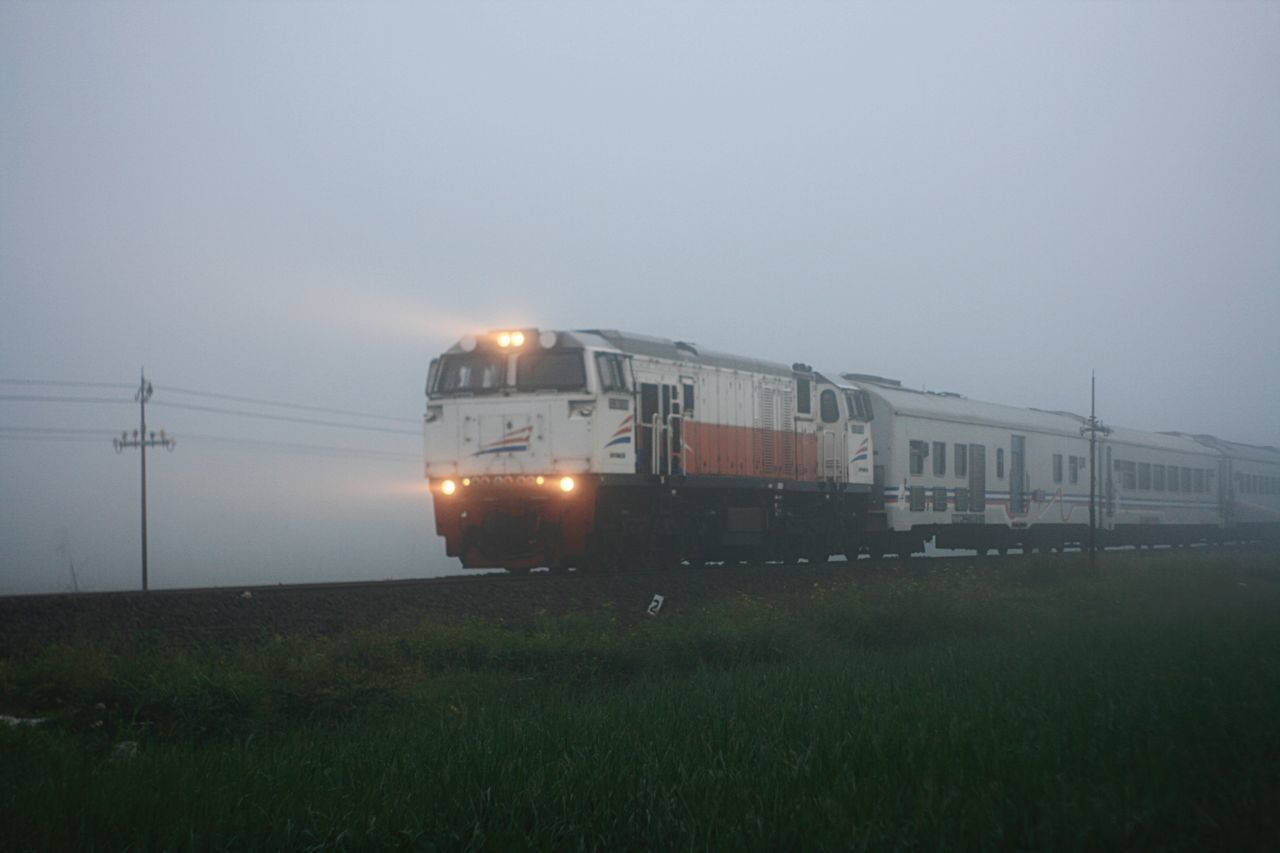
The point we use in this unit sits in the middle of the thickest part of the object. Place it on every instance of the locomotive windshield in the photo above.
(470, 373)
(562, 370)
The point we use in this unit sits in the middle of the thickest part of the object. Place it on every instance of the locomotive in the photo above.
(603, 448)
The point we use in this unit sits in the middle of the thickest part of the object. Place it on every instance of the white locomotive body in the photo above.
(568, 448)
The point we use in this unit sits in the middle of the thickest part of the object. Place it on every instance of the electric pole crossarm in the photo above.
(141, 439)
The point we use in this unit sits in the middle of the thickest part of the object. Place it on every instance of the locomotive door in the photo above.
(660, 433)
(1018, 474)
(832, 434)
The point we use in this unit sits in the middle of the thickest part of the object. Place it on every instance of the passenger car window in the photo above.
(919, 450)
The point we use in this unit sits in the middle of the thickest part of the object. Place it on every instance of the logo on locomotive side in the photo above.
(623, 434)
(511, 441)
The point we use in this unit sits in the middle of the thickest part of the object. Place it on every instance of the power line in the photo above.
(32, 398)
(43, 433)
(64, 438)
(107, 433)
(243, 414)
(263, 402)
(65, 383)
(260, 401)
(352, 452)
(306, 448)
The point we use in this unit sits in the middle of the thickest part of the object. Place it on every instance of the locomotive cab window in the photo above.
(859, 403)
(829, 407)
(612, 372)
(470, 373)
(803, 406)
(564, 370)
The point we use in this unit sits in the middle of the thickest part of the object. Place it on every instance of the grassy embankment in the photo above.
(1034, 706)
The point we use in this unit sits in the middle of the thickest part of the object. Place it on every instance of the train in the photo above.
(605, 449)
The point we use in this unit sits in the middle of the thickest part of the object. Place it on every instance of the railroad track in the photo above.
(233, 613)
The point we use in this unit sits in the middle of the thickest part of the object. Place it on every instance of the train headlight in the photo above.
(448, 487)
(504, 339)
(566, 484)
(540, 479)
(517, 339)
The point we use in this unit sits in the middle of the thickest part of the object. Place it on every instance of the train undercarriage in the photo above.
(623, 521)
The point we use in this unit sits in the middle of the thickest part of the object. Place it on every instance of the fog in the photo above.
(303, 203)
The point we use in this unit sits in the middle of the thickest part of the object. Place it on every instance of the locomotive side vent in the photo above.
(768, 429)
(788, 433)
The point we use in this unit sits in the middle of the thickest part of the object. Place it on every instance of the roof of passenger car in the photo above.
(958, 409)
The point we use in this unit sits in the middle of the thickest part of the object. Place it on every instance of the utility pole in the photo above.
(1093, 427)
(142, 441)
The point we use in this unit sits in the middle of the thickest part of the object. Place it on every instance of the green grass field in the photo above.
(1030, 706)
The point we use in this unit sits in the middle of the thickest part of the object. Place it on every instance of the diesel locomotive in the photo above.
(603, 448)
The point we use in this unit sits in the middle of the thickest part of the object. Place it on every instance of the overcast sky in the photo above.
(303, 202)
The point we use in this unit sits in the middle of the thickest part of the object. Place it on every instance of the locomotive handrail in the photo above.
(671, 445)
(654, 442)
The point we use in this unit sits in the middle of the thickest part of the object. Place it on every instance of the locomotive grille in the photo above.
(775, 440)
(788, 433)
(768, 428)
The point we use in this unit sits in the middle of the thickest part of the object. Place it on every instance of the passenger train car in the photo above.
(597, 447)
(967, 474)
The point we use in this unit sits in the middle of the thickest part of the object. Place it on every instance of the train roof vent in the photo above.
(947, 394)
(801, 367)
(871, 377)
(685, 345)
